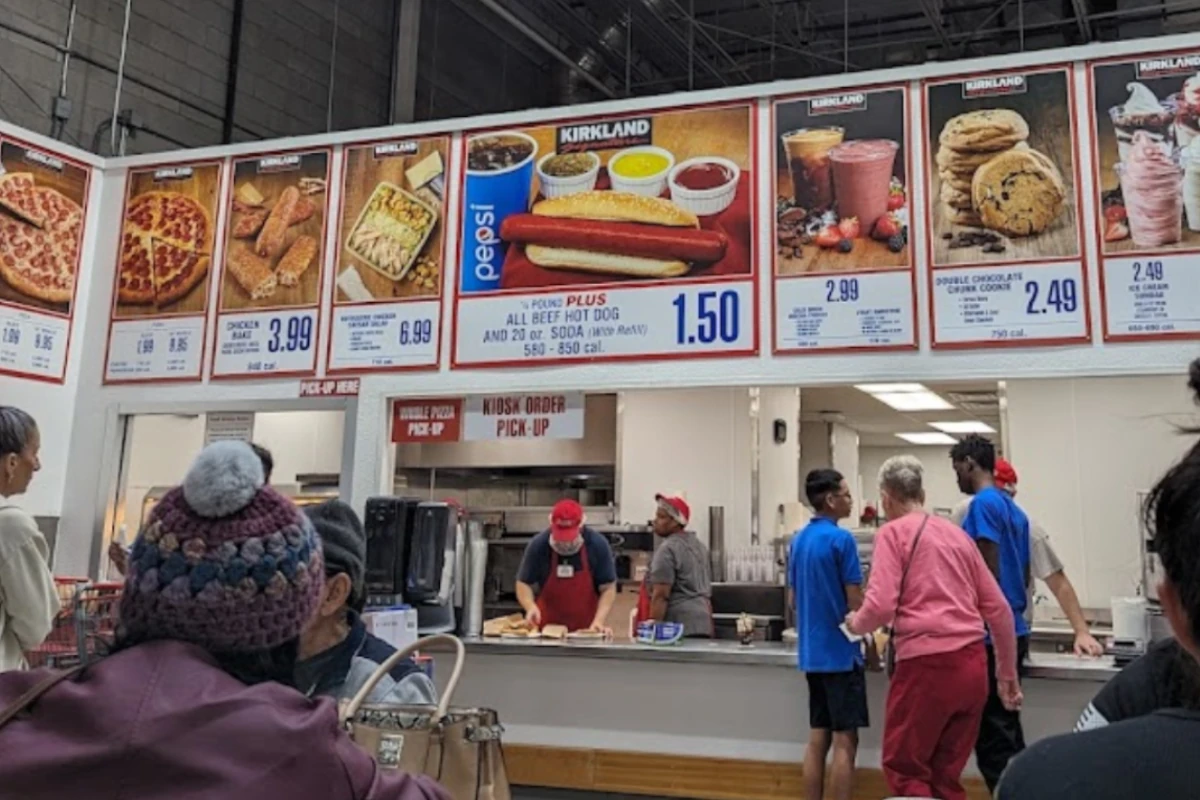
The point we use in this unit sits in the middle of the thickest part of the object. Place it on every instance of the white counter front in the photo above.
(707, 699)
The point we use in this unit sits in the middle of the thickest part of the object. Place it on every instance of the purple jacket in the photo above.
(161, 720)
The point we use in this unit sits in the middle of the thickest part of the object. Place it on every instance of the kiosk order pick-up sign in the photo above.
(610, 238)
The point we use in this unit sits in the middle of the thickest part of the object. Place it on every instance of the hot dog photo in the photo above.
(275, 228)
(650, 197)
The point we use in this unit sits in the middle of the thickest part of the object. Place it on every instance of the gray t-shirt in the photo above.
(682, 561)
(1043, 561)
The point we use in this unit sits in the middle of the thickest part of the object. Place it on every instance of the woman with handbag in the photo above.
(930, 583)
(198, 700)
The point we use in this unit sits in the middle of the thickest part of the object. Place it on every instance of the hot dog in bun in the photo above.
(615, 233)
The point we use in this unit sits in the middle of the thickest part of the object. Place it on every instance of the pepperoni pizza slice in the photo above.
(165, 250)
(18, 198)
(41, 263)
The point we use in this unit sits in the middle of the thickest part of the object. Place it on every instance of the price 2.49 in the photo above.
(713, 318)
(1061, 297)
(1144, 272)
(290, 336)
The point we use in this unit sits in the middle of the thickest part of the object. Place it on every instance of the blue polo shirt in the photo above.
(822, 562)
(994, 517)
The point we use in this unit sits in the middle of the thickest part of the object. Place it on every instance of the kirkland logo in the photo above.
(1164, 67)
(395, 149)
(605, 135)
(991, 87)
(278, 163)
(49, 162)
(173, 174)
(837, 103)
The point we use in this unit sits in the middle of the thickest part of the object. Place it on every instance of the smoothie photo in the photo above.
(841, 183)
(862, 179)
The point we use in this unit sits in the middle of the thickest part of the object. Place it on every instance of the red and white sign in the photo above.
(330, 387)
(524, 416)
(420, 421)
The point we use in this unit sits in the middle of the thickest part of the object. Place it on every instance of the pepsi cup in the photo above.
(499, 184)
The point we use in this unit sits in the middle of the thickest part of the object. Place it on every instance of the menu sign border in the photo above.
(775, 100)
(1097, 217)
(927, 159)
(448, 202)
(213, 272)
(226, 230)
(752, 110)
(83, 231)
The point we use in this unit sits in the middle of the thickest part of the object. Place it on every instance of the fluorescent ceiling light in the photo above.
(968, 426)
(882, 388)
(913, 401)
(928, 437)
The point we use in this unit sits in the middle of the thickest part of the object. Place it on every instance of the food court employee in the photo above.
(574, 573)
(679, 585)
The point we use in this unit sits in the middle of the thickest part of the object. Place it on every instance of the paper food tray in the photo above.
(416, 251)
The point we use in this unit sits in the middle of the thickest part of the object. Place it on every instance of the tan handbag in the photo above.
(458, 747)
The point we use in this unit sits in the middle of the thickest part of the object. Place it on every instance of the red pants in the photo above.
(934, 706)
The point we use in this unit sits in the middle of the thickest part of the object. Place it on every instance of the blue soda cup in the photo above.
(499, 183)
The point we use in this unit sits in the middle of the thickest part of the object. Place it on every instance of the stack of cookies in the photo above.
(990, 176)
(967, 143)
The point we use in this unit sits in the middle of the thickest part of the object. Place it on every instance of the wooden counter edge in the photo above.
(620, 772)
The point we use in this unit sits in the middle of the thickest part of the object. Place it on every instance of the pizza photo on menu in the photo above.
(41, 227)
(167, 241)
(275, 231)
(1000, 150)
(392, 233)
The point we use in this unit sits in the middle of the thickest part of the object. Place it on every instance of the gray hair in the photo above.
(902, 477)
(16, 429)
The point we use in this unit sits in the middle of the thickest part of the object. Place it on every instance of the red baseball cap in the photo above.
(1004, 474)
(565, 521)
(676, 507)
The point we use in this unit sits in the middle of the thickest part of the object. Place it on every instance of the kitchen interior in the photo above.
(1084, 449)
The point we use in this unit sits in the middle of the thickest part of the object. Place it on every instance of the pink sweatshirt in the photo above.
(948, 595)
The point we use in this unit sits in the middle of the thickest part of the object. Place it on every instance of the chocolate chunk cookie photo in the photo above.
(1000, 164)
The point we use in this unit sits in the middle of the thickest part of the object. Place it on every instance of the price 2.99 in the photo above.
(290, 336)
(713, 317)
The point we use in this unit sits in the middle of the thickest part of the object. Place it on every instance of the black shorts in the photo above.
(837, 701)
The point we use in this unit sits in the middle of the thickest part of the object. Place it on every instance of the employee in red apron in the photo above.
(568, 575)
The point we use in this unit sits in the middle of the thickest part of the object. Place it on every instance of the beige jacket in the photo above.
(28, 600)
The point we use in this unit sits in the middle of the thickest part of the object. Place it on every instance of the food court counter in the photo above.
(621, 706)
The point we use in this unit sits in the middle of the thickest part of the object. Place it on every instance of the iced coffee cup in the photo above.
(1151, 183)
(807, 152)
(862, 178)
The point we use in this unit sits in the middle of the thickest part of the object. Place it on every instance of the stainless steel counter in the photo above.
(774, 654)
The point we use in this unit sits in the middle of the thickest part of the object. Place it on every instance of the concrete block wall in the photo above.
(177, 67)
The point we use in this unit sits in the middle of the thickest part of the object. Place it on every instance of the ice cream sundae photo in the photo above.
(1143, 111)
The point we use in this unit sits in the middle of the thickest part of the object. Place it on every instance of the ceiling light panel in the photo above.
(966, 426)
(890, 388)
(913, 401)
(927, 438)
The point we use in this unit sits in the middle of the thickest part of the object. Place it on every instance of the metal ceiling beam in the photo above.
(688, 50)
(933, 14)
(512, 19)
(1081, 17)
(713, 42)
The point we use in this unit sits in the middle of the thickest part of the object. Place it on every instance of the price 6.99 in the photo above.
(713, 317)
(290, 335)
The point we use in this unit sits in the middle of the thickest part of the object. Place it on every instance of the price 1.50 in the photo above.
(1061, 297)
(290, 335)
(713, 318)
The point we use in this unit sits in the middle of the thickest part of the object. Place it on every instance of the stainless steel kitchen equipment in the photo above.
(716, 542)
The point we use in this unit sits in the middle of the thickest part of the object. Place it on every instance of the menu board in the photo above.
(617, 237)
(43, 197)
(391, 249)
(1146, 113)
(160, 296)
(269, 309)
(1004, 240)
(844, 276)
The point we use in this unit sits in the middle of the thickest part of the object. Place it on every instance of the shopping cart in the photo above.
(84, 626)
(96, 608)
(60, 649)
